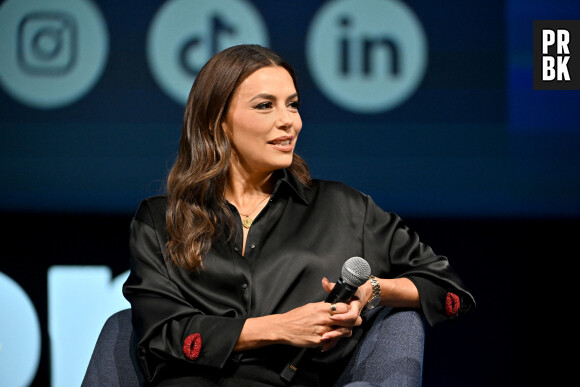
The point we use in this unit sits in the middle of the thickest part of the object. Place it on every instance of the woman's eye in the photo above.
(294, 104)
(264, 105)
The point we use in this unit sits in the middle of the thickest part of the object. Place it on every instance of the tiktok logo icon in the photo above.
(366, 57)
(185, 34)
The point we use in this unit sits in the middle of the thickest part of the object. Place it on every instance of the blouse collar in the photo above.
(285, 178)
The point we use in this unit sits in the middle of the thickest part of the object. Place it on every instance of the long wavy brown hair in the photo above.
(197, 211)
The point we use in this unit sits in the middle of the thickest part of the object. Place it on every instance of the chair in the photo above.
(114, 362)
(390, 354)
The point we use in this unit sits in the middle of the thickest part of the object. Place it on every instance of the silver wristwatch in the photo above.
(376, 298)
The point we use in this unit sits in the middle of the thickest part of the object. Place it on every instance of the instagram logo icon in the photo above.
(47, 43)
(53, 52)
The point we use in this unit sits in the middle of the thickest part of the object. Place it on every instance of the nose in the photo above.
(285, 119)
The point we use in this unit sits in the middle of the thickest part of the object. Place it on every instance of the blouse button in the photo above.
(244, 286)
(253, 245)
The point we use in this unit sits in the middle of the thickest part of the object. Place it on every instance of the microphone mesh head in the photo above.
(356, 271)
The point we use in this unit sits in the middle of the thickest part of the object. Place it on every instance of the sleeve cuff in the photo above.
(210, 340)
(440, 304)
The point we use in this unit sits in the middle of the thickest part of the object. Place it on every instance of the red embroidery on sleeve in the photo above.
(452, 304)
(192, 346)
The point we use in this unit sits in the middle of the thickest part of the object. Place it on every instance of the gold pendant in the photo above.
(247, 222)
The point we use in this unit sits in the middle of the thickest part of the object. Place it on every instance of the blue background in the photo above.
(485, 168)
(475, 138)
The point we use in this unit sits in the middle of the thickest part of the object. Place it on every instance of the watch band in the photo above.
(376, 298)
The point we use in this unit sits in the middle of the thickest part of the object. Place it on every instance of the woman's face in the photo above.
(263, 121)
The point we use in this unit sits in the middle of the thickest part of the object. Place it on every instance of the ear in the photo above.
(226, 129)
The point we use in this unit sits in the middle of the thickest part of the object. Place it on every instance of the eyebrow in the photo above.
(271, 97)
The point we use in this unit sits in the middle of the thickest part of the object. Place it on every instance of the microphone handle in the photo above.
(342, 292)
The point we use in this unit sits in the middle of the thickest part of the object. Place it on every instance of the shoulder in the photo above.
(346, 199)
(335, 190)
(152, 210)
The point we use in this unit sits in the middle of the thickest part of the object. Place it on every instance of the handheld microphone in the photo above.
(355, 272)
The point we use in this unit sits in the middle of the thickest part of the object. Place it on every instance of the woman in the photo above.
(229, 269)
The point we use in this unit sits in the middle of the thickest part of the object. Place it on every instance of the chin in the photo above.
(281, 163)
(287, 162)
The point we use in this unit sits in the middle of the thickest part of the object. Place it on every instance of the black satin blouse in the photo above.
(188, 323)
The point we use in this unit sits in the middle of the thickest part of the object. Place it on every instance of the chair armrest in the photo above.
(113, 362)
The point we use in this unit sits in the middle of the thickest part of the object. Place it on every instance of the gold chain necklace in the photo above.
(247, 221)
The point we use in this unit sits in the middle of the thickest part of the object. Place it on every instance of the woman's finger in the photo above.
(328, 345)
(337, 308)
(327, 285)
(337, 333)
(349, 322)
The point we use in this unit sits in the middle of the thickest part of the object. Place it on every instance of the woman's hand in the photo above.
(315, 324)
(346, 316)
(311, 325)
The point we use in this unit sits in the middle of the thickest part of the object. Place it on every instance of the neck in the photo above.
(245, 188)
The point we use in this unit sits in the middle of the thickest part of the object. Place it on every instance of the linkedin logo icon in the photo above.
(366, 56)
(185, 34)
